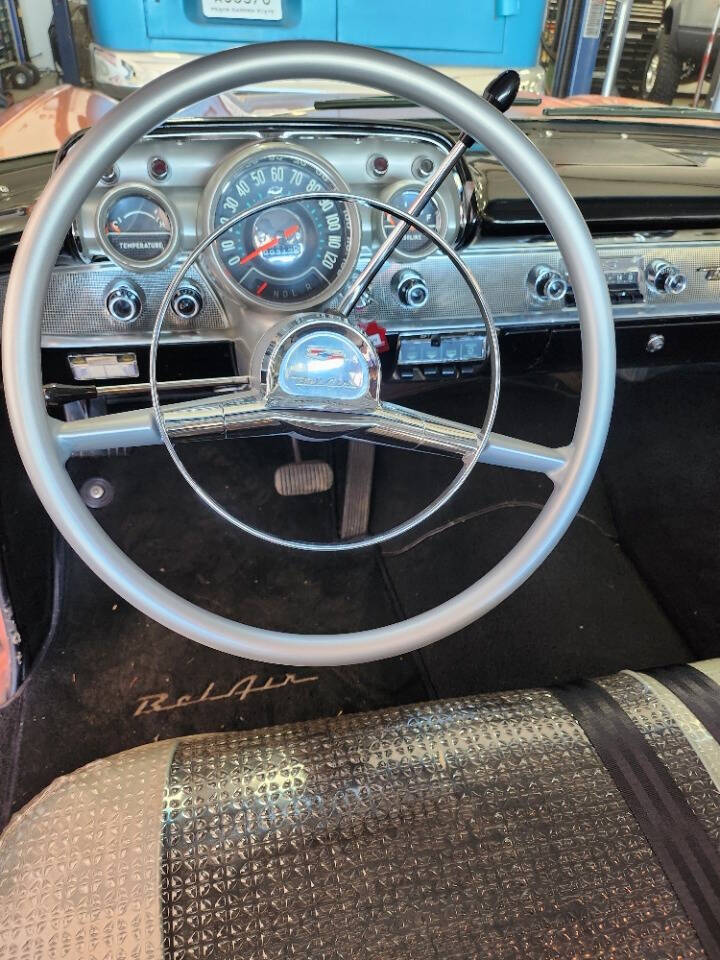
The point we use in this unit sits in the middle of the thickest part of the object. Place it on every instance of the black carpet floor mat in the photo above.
(111, 679)
(660, 470)
(583, 613)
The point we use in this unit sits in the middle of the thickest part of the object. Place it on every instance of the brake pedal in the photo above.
(303, 477)
(358, 490)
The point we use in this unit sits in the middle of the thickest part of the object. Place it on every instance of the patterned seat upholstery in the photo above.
(481, 827)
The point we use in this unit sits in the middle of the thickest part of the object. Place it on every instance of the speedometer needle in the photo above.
(286, 234)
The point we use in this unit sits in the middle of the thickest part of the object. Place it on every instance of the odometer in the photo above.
(291, 256)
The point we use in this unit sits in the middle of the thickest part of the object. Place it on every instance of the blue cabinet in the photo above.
(184, 20)
(442, 25)
(472, 32)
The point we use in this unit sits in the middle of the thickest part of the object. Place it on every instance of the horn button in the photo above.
(324, 364)
(319, 362)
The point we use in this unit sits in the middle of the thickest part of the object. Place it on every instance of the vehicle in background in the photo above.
(678, 48)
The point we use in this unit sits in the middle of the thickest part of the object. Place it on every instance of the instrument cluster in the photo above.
(301, 246)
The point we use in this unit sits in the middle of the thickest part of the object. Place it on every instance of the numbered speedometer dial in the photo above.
(291, 256)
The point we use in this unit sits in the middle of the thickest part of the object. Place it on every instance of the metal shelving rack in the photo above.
(645, 19)
(15, 68)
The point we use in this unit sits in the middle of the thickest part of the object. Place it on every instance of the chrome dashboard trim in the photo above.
(131, 339)
(74, 295)
(75, 314)
(500, 264)
(501, 268)
(289, 128)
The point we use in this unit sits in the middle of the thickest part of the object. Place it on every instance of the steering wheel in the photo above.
(287, 393)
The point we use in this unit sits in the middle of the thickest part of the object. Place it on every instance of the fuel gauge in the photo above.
(414, 244)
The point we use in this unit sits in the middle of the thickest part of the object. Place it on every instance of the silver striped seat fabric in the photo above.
(481, 827)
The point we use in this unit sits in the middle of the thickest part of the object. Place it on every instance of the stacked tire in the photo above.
(663, 71)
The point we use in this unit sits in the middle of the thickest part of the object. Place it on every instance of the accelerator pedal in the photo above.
(303, 477)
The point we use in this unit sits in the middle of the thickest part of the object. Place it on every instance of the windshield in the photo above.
(616, 64)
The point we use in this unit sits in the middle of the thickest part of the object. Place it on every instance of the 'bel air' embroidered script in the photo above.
(159, 702)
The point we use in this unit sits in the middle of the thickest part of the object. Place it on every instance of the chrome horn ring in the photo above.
(222, 415)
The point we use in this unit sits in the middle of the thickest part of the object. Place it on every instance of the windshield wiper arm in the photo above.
(385, 101)
(608, 110)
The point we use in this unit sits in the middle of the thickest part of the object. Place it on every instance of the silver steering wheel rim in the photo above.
(37, 435)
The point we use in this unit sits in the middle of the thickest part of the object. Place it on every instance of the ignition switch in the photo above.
(410, 288)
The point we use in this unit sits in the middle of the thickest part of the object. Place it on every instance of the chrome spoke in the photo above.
(131, 428)
(245, 414)
(217, 416)
(399, 426)
(214, 416)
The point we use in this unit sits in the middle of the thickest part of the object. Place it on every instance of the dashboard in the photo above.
(186, 181)
(166, 194)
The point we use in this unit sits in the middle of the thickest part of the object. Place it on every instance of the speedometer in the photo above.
(291, 256)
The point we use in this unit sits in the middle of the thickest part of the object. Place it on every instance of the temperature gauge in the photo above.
(137, 227)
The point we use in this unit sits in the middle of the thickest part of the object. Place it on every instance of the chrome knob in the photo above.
(123, 302)
(546, 284)
(187, 301)
(663, 277)
(410, 288)
(655, 343)
(422, 167)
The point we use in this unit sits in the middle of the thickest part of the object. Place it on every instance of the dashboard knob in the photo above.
(187, 301)
(410, 288)
(546, 284)
(123, 302)
(663, 277)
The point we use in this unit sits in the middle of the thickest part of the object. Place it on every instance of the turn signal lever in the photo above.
(501, 93)
(58, 394)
